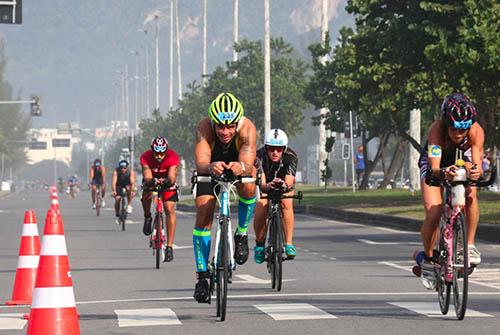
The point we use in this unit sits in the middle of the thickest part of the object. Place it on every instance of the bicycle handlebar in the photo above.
(226, 177)
(468, 182)
(278, 195)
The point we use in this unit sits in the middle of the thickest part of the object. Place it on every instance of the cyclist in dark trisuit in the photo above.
(226, 140)
(278, 166)
(456, 129)
(123, 177)
(97, 176)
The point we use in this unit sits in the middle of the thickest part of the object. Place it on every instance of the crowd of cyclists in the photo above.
(226, 140)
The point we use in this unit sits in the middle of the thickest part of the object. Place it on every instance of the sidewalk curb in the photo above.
(485, 231)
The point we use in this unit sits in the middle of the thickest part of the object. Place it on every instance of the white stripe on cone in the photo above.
(54, 245)
(30, 229)
(28, 262)
(53, 297)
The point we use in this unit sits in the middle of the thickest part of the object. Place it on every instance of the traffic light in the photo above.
(346, 151)
(347, 130)
(35, 106)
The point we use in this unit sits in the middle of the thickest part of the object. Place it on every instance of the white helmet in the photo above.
(276, 137)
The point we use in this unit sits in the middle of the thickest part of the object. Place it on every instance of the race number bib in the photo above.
(434, 151)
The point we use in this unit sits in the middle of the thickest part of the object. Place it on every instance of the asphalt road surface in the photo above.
(347, 279)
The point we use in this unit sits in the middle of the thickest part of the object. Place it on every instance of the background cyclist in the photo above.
(457, 129)
(278, 166)
(123, 178)
(225, 140)
(159, 167)
(97, 176)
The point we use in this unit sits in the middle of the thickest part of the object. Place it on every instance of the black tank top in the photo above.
(97, 173)
(225, 152)
(122, 179)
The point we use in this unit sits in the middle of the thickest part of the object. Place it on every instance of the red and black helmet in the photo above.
(159, 144)
(457, 111)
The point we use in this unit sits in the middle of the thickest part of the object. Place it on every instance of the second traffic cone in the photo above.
(27, 264)
(53, 308)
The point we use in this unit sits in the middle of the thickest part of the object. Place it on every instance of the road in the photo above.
(347, 279)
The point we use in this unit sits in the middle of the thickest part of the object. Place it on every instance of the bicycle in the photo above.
(222, 265)
(123, 207)
(451, 257)
(275, 245)
(158, 239)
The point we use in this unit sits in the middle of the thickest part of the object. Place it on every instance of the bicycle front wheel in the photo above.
(271, 251)
(123, 213)
(460, 266)
(443, 287)
(278, 252)
(222, 269)
(98, 203)
(158, 250)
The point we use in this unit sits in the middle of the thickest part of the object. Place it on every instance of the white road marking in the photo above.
(12, 321)
(484, 277)
(279, 295)
(431, 309)
(179, 247)
(387, 243)
(391, 230)
(249, 279)
(146, 317)
(294, 312)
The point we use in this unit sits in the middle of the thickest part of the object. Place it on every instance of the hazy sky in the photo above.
(69, 51)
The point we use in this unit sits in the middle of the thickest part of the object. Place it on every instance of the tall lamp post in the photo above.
(146, 53)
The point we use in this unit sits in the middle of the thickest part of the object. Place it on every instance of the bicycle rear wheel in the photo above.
(443, 287)
(460, 267)
(222, 269)
(278, 252)
(157, 244)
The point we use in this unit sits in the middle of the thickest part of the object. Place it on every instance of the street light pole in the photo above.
(148, 111)
(136, 79)
(267, 70)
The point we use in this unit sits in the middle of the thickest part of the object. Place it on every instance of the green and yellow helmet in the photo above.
(225, 109)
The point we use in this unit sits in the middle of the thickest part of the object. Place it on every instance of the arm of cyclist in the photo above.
(147, 175)
(203, 150)
(171, 178)
(248, 149)
(476, 136)
(113, 183)
(133, 180)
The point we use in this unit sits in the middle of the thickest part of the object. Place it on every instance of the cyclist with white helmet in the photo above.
(277, 164)
(226, 140)
(457, 129)
(123, 178)
(159, 167)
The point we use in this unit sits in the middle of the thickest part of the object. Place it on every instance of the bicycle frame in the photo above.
(224, 210)
(451, 213)
(158, 202)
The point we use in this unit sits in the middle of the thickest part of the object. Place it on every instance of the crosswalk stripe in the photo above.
(431, 309)
(12, 321)
(294, 312)
(146, 317)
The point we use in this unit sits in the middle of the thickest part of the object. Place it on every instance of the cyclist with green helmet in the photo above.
(225, 140)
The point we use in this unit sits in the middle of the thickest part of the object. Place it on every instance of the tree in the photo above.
(405, 55)
(288, 82)
(14, 125)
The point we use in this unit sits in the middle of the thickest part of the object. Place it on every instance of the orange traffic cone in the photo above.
(27, 263)
(54, 204)
(53, 191)
(53, 308)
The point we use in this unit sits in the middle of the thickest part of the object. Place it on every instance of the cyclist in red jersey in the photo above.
(159, 167)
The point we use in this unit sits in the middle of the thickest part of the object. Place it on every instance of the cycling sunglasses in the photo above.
(159, 149)
(272, 148)
(462, 124)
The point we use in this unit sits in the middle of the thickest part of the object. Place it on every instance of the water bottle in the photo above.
(458, 191)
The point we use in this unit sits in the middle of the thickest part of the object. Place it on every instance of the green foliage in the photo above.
(288, 81)
(409, 54)
(14, 123)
